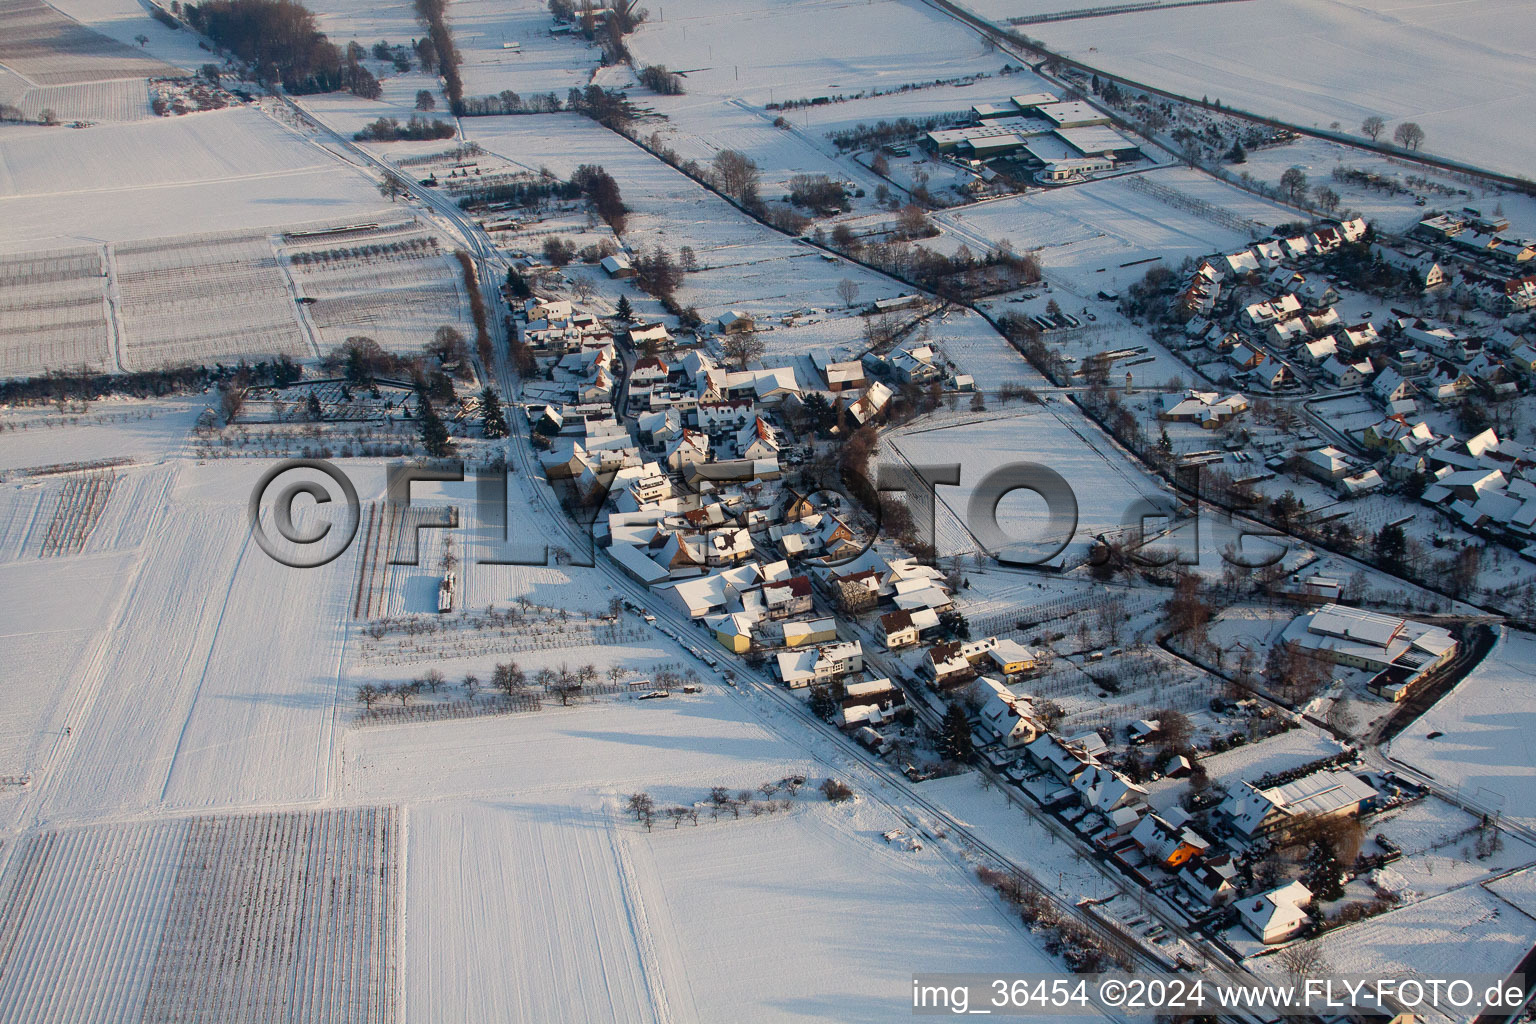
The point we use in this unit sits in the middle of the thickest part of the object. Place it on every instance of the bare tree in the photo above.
(913, 222)
(368, 695)
(508, 678)
(643, 808)
(471, 685)
(1293, 182)
(1409, 135)
(848, 291)
(1173, 729)
(392, 187)
(836, 791)
(742, 348)
(1303, 960)
(1372, 127)
(736, 174)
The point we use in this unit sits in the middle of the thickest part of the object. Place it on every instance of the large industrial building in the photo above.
(1055, 141)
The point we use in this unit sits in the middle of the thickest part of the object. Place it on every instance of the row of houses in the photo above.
(1496, 271)
(1199, 294)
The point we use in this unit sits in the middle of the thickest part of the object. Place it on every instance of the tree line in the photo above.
(433, 15)
(282, 42)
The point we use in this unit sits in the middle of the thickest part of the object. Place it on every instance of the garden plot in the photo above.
(1485, 732)
(1444, 847)
(222, 170)
(49, 636)
(1393, 208)
(1104, 235)
(518, 912)
(701, 740)
(744, 265)
(581, 914)
(82, 500)
(289, 916)
(1278, 753)
(205, 299)
(1106, 484)
(50, 49)
(125, 99)
(821, 889)
(113, 431)
(396, 285)
(53, 312)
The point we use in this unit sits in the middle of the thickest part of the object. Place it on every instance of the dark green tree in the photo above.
(1392, 546)
(955, 735)
(434, 433)
(822, 703)
(494, 421)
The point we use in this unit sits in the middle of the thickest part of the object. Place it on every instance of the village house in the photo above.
(1277, 915)
(1203, 407)
(1009, 718)
(871, 702)
(800, 632)
(898, 629)
(1010, 657)
(1167, 840)
(1212, 880)
(804, 666)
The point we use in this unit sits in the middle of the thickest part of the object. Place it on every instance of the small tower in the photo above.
(1129, 388)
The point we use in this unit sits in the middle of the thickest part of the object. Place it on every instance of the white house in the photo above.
(1276, 915)
(1009, 717)
(801, 668)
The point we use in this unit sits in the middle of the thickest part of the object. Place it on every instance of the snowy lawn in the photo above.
(1486, 749)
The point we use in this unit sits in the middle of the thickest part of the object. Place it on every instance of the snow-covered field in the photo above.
(1485, 749)
(1097, 236)
(1467, 931)
(248, 917)
(1105, 483)
(1461, 71)
(801, 50)
(216, 171)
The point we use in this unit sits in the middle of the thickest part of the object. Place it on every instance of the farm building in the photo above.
(1401, 651)
(1253, 812)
